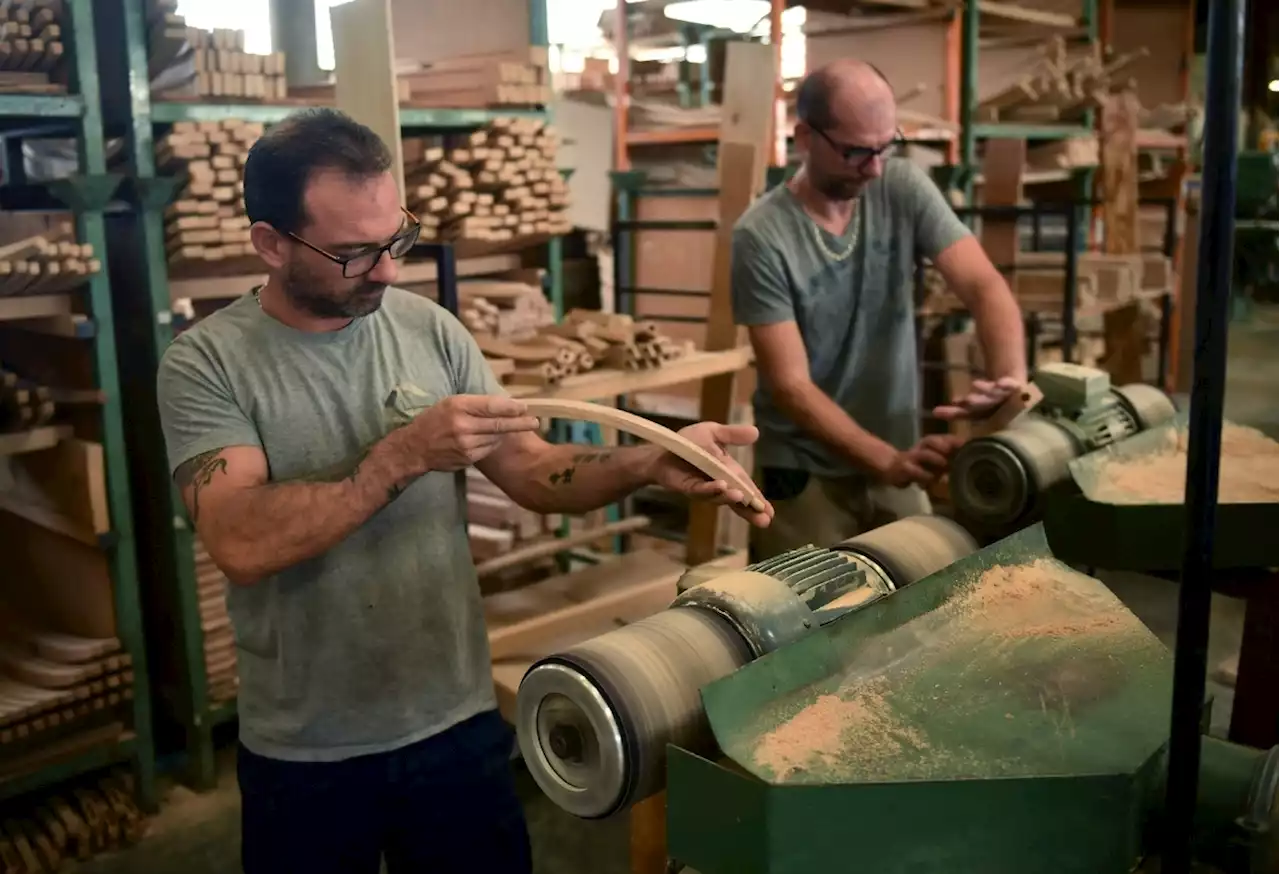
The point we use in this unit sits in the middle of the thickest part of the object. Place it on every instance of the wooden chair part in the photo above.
(652, 432)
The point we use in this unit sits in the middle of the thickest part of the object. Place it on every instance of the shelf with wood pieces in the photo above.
(70, 567)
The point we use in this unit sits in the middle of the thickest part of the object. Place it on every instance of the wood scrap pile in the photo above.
(496, 524)
(503, 309)
(207, 222)
(39, 834)
(22, 405)
(1061, 87)
(215, 61)
(40, 265)
(501, 184)
(221, 677)
(585, 340)
(31, 48)
(52, 684)
(514, 78)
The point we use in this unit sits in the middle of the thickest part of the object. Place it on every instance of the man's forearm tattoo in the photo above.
(197, 473)
(564, 477)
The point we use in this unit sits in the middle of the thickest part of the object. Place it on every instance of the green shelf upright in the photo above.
(87, 194)
(148, 325)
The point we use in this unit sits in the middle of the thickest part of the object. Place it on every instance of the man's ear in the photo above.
(269, 244)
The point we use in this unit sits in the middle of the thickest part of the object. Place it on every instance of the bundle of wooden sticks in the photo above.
(31, 47)
(39, 265)
(73, 823)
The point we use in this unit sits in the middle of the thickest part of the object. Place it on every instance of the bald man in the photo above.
(823, 273)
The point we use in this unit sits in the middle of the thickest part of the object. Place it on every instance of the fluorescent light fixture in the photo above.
(1275, 85)
(736, 15)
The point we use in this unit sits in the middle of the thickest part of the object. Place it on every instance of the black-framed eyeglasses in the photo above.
(363, 262)
(860, 156)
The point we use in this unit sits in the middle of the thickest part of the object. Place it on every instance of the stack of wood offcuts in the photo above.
(501, 184)
(519, 77)
(221, 66)
(221, 679)
(496, 524)
(31, 48)
(207, 221)
(586, 340)
(44, 264)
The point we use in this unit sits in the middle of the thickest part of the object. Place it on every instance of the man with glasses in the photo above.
(318, 429)
(823, 275)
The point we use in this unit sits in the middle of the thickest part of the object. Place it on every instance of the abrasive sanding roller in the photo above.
(998, 482)
(594, 721)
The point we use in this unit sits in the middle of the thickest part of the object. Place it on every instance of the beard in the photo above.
(308, 293)
(840, 187)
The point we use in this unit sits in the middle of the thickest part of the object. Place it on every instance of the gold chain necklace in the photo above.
(853, 240)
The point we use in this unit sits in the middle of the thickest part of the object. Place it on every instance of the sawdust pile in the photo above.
(822, 731)
(1249, 471)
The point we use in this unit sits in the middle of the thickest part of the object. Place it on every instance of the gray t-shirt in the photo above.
(380, 641)
(855, 313)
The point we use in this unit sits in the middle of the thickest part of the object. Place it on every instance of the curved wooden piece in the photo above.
(652, 433)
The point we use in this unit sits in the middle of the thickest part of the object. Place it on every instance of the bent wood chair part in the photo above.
(652, 433)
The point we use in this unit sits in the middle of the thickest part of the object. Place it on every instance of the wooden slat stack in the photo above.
(23, 405)
(219, 639)
(1060, 88)
(496, 524)
(40, 265)
(503, 309)
(31, 47)
(515, 78)
(73, 823)
(207, 222)
(221, 66)
(501, 185)
(585, 340)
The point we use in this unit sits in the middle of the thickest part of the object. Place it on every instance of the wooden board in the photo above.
(363, 50)
(650, 432)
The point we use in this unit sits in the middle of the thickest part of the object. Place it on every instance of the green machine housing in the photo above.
(1001, 482)
(1005, 714)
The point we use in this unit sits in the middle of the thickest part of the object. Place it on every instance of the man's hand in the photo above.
(460, 430)
(678, 475)
(922, 463)
(983, 399)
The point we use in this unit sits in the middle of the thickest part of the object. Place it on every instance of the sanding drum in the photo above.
(997, 482)
(594, 721)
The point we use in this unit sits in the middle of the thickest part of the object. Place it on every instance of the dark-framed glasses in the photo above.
(860, 156)
(360, 263)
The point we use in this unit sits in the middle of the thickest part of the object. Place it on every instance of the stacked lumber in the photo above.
(514, 78)
(1103, 282)
(22, 405)
(99, 815)
(221, 678)
(219, 65)
(39, 265)
(31, 47)
(52, 684)
(1059, 87)
(501, 184)
(207, 221)
(585, 340)
(496, 524)
(503, 309)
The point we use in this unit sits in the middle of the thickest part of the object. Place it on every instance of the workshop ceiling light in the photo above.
(1275, 85)
(736, 15)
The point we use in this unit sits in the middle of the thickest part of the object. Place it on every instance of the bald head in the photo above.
(845, 92)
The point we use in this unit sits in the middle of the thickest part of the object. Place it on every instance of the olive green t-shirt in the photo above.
(380, 641)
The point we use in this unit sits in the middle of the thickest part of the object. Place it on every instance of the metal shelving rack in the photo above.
(145, 297)
(88, 194)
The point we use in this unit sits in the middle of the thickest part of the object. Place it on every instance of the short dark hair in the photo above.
(285, 158)
(813, 97)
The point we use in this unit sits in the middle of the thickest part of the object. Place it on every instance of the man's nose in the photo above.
(874, 167)
(385, 271)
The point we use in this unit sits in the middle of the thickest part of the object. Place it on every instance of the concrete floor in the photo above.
(199, 834)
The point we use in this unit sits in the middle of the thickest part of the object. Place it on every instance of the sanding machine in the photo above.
(901, 702)
(594, 721)
(1000, 482)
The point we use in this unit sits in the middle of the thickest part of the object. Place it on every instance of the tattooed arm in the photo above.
(254, 528)
(551, 478)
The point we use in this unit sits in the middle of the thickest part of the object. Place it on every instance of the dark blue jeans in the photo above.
(444, 804)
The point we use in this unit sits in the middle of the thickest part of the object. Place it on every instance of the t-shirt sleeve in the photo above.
(472, 375)
(760, 292)
(198, 411)
(937, 227)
